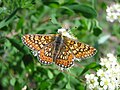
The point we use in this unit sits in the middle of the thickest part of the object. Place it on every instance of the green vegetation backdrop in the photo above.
(19, 69)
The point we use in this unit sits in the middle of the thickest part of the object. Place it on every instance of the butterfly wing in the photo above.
(37, 41)
(79, 50)
(45, 54)
(65, 58)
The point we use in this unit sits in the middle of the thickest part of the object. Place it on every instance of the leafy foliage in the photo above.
(19, 68)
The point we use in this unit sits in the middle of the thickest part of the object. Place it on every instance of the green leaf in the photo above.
(54, 4)
(44, 85)
(85, 10)
(59, 77)
(53, 19)
(51, 3)
(68, 86)
(9, 19)
(20, 23)
(2, 9)
(90, 66)
(4, 22)
(27, 4)
(50, 74)
(97, 31)
(12, 81)
(5, 81)
(80, 87)
(66, 10)
(16, 44)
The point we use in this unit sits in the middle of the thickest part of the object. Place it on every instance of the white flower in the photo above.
(62, 30)
(65, 32)
(111, 86)
(104, 82)
(92, 81)
(89, 78)
(99, 88)
(106, 78)
(113, 13)
(104, 62)
(111, 56)
(100, 73)
(108, 73)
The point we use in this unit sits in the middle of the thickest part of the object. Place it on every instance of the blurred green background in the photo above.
(20, 70)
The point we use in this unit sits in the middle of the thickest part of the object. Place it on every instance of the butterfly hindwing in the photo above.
(65, 58)
(45, 54)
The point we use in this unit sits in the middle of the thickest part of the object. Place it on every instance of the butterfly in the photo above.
(58, 49)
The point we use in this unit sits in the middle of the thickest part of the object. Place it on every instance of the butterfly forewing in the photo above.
(37, 41)
(65, 58)
(79, 50)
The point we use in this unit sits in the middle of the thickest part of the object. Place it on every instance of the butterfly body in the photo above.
(57, 46)
(58, 49)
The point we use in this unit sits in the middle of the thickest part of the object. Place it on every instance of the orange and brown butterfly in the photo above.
(58, 49)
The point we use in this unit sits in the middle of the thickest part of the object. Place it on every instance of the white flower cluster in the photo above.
(106, 78)
(113, 13)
